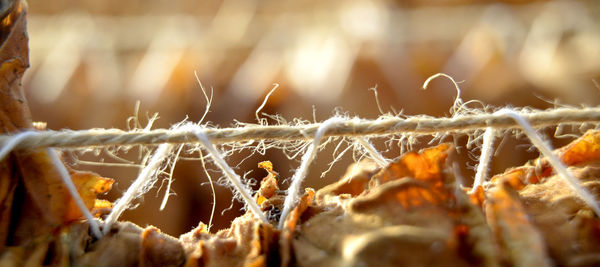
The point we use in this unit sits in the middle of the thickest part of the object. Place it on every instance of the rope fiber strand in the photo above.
(383, 126)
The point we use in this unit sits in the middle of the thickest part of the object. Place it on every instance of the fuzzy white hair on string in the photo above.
(208, 100)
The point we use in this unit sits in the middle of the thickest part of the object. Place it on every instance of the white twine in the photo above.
(556, 163)
(14, 141)
(352, 127)
(168, 190)
(376, 156)
(141, 184)
(293, 191)
(235, 179)
(485, 158)
(66, 178)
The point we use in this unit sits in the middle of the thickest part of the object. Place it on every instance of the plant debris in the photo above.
(413, 213)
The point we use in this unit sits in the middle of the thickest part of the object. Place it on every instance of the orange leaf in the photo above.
(89, 185)
(425, 166)
(584, 149)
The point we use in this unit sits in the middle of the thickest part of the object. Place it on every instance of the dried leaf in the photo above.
(585, 149)
(247, 242)
(89, 185)
(569, 231)
(409, 216)
(14, 113)
(125, 245)
(268, 185)
(426, 166)
(521, 242)
(159, 249)
(353, 183)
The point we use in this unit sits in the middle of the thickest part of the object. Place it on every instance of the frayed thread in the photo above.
(556, 163)
(376, 156)
(294, 190)
(141, 185)
(385, 125)
(234, 179)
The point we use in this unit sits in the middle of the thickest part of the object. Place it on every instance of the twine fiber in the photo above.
(382, 126)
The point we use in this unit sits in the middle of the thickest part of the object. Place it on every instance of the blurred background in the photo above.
(91, 61)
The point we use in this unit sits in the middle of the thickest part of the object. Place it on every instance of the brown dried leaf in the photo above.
(585, 149)
(569, 230)
(246, 242)
(126, 245)
(14, 113)
(426, 166)
(409, 216)
(569, 227)
(33, 200)
(89, 185)
(268, 185)
(159, 249)
(294, 216)
(353, 183)
(520, 241)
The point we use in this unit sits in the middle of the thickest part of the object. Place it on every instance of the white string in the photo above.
(141, 183)
(352, 127)
(275, 86)
(66, 178)
(168, 190)
(484, 160)
(235, 179)
(376, 156)
(556, 163)
(14, 141)
(294, 190)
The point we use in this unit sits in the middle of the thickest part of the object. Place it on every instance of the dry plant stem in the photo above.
(66, 178)
(294, 190)
(235, 179)
(383, 126)
(484, 160)
(138, 186)
(556, 163)
(376, 156)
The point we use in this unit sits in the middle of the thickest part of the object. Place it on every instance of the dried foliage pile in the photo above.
(410, 213)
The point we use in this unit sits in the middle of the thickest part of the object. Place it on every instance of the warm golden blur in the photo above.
(92, 60)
